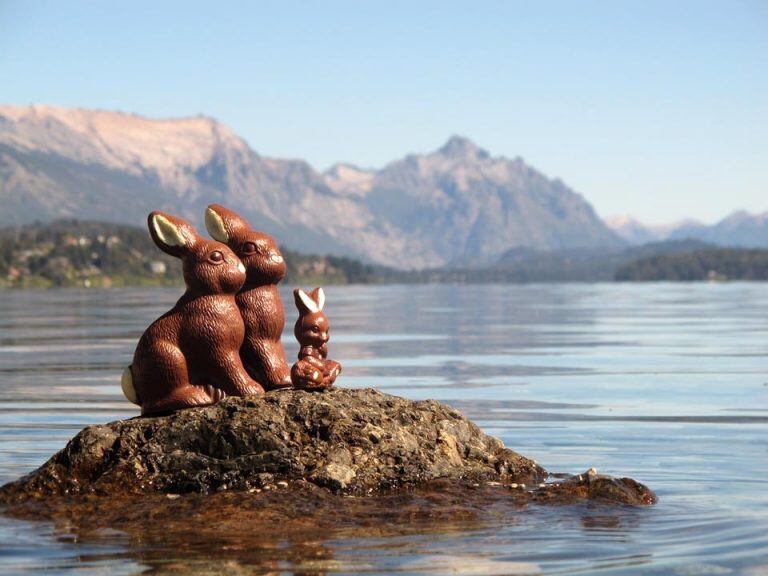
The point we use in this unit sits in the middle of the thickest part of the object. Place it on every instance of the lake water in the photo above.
(665, 383)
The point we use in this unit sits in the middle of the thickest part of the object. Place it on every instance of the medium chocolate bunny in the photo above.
(313, 371)
(190, 356)
(259, 301)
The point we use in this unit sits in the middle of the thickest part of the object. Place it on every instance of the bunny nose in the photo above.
(241, 267)
(276, 258)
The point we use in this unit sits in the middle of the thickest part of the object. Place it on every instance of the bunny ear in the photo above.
(304, 302)
(224, 224)
(319, 297)
(173, 235)
(215, 225)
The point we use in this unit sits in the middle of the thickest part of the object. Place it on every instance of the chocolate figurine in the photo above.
(313, 371)
(190, 356)
(259, 299)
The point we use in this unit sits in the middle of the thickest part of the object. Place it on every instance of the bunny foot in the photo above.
(254, 389)
(185, 397)
(282, 384)
(332, 371)
(309, 374)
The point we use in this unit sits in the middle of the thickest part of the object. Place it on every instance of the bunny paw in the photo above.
(254, 389)
(216, 394)
(309, 374)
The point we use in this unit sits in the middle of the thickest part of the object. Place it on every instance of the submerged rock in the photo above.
(343, 440)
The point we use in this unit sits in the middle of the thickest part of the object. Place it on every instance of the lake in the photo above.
(667, 383)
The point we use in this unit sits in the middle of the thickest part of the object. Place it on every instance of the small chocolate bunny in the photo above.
(259, 301)
(190, 356)
(313, 371)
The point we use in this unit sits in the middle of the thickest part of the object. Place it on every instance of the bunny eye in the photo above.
(313, 329)
(216, 257)
(249, 248)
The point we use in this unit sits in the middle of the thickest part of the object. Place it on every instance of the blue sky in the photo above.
(656, 109)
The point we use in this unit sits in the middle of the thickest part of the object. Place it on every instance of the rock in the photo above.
(355, 441)
(340, 440)
(273, 483)
(593, 486)
(334, 476)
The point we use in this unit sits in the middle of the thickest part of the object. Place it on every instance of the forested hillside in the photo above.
(75, 253)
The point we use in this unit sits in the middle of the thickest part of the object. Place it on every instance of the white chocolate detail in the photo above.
(308, 302)
(167, 232)
(215, 226)
(320, 298)
(126, 382)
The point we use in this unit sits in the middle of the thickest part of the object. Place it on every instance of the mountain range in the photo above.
(456, 206)
(741, 229)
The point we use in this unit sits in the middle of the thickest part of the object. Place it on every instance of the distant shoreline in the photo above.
(85, 254)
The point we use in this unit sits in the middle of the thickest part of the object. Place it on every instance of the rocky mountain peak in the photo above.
(116, 139)
(460, 147)
(349, 179)
(741, 217)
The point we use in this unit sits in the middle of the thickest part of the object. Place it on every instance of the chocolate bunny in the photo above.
(190, 356)
(259, 301)
(312, 330)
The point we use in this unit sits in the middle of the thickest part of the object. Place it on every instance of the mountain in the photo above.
(740, 229)
(635, 232)
(461, 206)
(85, 164)
(455, 206)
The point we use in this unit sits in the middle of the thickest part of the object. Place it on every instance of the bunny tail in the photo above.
(127, 383)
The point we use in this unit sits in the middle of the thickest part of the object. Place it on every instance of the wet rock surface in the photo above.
(339, 441)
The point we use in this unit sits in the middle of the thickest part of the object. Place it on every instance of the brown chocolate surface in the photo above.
(190, 355)
(259, 298)
(314, 370)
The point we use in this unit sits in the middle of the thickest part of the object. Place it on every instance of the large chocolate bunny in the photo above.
(313, 371)
(259, 299)
(190, 356)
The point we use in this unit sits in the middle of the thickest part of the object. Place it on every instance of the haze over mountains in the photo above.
(458, 205)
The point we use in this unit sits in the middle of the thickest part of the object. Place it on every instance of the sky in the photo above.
(657, 109)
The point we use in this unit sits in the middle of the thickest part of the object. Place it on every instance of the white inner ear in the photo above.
(215, 226)
(167, 232)
(308, 302)
(320, 298)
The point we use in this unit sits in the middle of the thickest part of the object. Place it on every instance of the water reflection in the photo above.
(319, 534)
